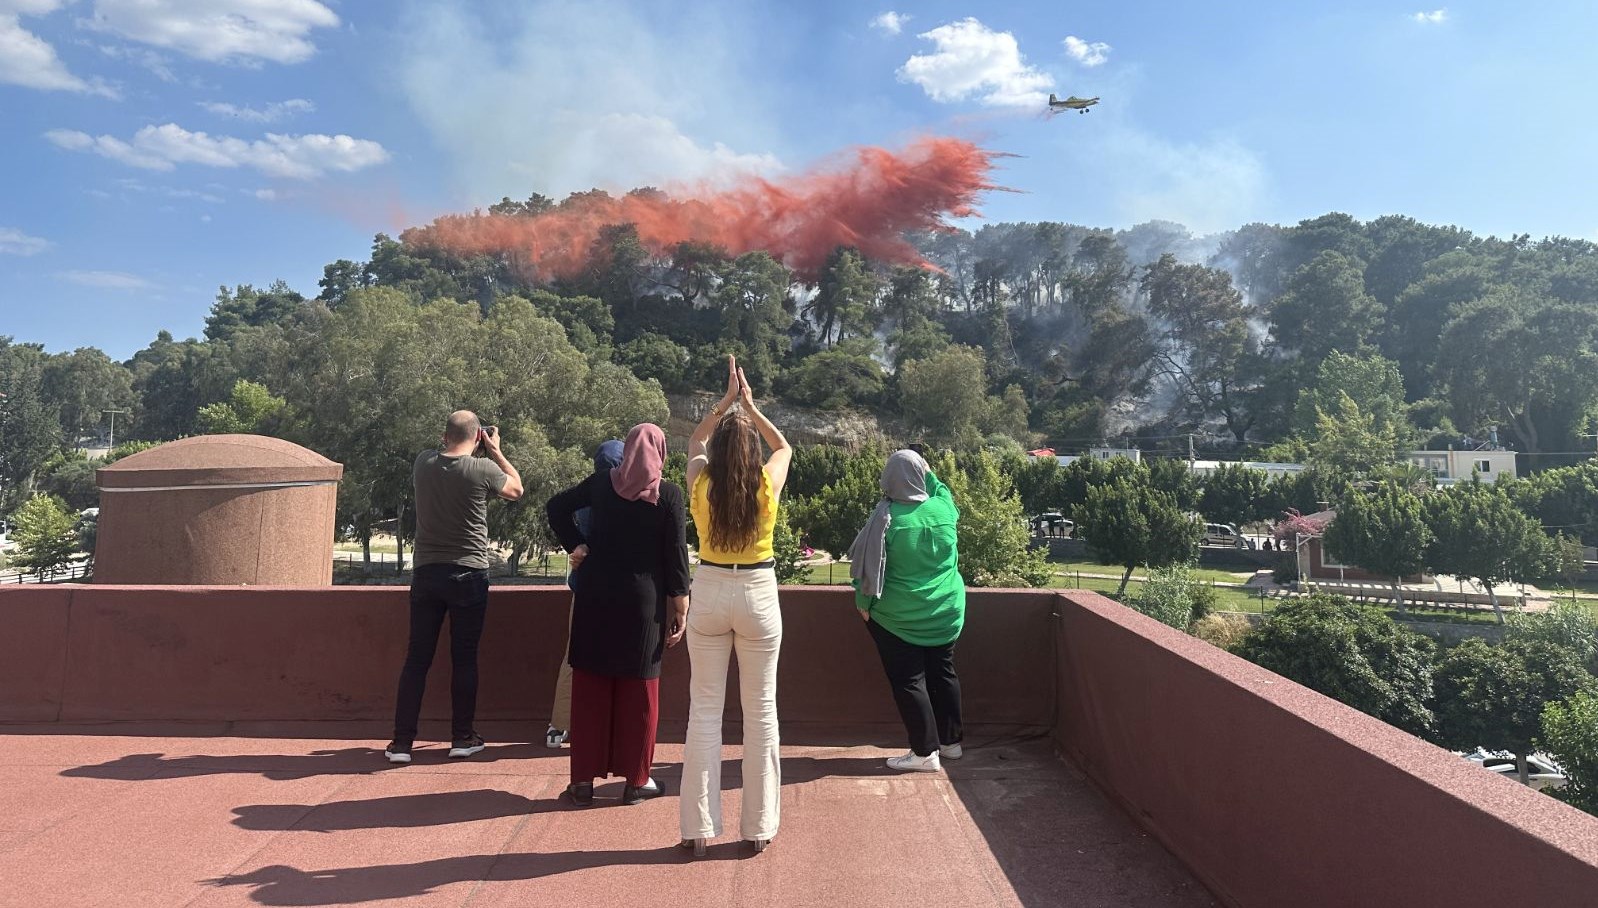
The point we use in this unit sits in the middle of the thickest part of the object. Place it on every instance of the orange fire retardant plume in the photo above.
(870, 205)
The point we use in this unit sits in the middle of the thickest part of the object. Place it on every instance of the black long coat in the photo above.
(637, 557)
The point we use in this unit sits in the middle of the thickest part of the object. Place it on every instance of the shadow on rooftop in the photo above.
(282, 885)
(403, 811)
(286, 767)
(1056, 837)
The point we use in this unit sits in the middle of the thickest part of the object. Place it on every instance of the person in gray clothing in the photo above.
(449, 576)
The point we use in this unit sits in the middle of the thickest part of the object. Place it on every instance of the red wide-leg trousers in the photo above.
(613, 727)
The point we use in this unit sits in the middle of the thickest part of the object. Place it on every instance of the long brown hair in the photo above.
(735, 473)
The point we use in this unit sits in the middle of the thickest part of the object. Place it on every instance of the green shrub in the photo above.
(1172, 596)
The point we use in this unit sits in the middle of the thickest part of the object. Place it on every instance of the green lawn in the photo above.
(1229, 599)
(385, 548)
(1067, 576)
(1198, 573)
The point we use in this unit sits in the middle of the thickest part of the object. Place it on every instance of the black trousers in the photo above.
(925, 688)
(461, 593)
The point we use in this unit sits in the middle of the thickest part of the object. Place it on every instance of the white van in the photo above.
(1223, 534)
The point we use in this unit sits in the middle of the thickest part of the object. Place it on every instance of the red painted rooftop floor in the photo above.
(97, 819)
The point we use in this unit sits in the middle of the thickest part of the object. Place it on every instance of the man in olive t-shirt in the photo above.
(450, 575)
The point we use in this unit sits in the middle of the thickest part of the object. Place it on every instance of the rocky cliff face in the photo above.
(849, 428)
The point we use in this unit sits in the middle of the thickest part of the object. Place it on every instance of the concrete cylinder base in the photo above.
(218, 509)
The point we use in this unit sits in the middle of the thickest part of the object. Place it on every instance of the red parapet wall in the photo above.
(1275, 795)
(1270, 793)
(274, 654)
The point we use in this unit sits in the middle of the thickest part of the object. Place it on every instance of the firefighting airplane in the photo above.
(1080, 105)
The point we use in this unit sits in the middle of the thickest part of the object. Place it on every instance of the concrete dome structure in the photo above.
(218, 509)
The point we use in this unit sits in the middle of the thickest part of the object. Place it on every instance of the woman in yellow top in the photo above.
(733, 500)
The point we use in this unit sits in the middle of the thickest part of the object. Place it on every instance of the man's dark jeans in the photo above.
(462, 594)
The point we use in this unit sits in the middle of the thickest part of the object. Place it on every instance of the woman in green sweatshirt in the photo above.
(904, 564)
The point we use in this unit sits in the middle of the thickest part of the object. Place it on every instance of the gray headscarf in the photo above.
(904, 479)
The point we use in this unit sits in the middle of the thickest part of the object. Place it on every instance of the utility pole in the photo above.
(113, 415)
(1190, 455)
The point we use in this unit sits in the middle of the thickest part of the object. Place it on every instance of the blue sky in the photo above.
(154, 149)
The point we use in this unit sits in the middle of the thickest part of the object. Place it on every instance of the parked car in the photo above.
(1542, 771)
(1226, 535)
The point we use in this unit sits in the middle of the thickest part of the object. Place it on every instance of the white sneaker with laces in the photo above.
(555, 737)
(951, 751)
(912, 763)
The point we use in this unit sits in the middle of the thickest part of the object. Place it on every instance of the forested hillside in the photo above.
(1332, 340)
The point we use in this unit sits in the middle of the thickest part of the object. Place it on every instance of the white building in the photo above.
(1132, 454)
(1448, 466)
(1457, 466)
(1269, 468)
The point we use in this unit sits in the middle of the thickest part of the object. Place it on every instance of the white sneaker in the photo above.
(912, 763)
(951, 751)
(555, 737)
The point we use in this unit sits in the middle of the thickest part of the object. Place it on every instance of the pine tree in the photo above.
(46, 535)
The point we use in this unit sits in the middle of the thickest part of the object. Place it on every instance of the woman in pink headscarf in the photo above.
(630, 604)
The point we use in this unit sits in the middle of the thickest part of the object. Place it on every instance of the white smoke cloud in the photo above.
(973, 60)
(218, 30)
(30, 61)
(15, 242)
(1435, 17)
(565, 98)
(1208, 186)
(890, 22)
(293, 157)
(1096, 53)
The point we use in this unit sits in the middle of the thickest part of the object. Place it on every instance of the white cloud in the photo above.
(1435, 17)
(156, 63)
(164, 147)
(170, 192)
(30, 61)
(973, 60)
(571, 97)
(15, 242)
(1088, 54)
(106, 280)
(271, 113)
(890, 22)
(218, 30)
(266, 195)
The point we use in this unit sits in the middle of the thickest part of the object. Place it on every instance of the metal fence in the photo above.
(61, 575)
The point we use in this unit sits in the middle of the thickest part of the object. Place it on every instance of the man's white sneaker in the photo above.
(555, 737)
(951, 751)
(912, 763)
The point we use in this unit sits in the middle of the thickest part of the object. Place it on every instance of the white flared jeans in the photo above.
(733, 612)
